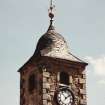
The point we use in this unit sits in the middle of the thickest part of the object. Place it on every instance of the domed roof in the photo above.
(52, 44)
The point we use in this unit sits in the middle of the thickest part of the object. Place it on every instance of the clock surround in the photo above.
(64, 96)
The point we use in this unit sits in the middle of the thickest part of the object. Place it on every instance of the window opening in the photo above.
(64, 78)
(32, 83)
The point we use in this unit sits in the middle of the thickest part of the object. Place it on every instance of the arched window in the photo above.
(64, 78)
(32, 83)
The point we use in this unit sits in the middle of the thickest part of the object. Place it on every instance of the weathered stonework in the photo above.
(51, 57)
(48, 83)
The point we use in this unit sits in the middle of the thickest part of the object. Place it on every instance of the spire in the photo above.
(51, 15)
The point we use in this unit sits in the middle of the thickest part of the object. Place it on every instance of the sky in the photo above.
(23, 22)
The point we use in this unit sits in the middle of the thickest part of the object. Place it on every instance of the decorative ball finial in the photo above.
(51, 14)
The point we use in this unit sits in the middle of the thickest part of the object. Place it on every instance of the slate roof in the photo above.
(52, 44)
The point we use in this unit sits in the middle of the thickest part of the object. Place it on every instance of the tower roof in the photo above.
(53, 44)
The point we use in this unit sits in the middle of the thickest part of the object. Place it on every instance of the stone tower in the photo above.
(53, 76)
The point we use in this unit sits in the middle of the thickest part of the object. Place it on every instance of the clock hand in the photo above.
(67, 96)
(64, 95)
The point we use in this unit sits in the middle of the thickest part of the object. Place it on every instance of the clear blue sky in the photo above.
(22, 22)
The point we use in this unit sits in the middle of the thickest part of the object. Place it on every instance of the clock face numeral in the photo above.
(64, 97)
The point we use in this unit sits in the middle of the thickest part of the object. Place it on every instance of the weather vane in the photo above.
(51, 8)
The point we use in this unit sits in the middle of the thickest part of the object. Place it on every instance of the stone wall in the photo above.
(77, 83)
(49, 87)
(35, 97)
(48, 83)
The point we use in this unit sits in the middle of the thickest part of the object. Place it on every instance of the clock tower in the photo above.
(53, 75)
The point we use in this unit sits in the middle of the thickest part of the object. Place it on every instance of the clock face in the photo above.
(65, 97)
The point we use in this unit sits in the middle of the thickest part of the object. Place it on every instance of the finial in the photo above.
(51, 15)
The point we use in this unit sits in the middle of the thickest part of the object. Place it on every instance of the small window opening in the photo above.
(64, 78)
(32, 83)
